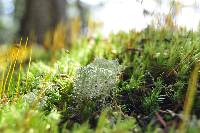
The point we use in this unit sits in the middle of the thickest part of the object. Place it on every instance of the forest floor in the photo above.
(130, 82)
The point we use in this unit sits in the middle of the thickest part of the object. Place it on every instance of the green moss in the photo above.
(151, 74)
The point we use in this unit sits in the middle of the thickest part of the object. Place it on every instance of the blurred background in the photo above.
(62, 21)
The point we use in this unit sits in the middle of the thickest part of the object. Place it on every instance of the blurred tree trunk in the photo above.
(40, 17)
(84, 15)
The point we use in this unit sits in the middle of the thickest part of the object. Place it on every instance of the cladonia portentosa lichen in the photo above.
(96, 80)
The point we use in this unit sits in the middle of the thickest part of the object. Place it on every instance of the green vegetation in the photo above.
(130, 82)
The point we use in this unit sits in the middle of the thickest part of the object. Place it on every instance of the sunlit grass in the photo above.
(7, 78)
(2, 83)
(190, 96)
(15, 56)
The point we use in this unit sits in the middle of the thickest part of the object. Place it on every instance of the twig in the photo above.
(161, 120)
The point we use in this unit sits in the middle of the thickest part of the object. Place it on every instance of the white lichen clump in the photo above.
(33, 96)
(97, 79)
